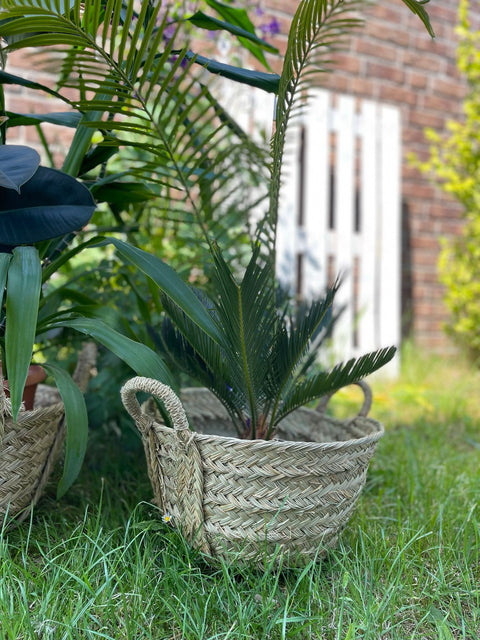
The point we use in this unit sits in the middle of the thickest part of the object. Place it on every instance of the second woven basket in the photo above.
(30, 447)
(294, 494)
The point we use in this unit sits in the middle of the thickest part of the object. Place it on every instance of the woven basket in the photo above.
(293, 494)
(30, 447)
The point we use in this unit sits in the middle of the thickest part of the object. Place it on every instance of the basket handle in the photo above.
(367, 400)
(161, 391)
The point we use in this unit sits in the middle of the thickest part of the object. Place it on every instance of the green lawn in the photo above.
(101, 564)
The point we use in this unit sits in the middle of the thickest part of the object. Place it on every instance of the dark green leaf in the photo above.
(122, 193)
(23, 294)
(97, 156)
(76, 422)
(326, 382)
(17, 166)
(171, 284)
(8, 78)
(63, 118)
(139, 357)
(417, 6)
(240, 18)
(51, 204)
(202, 20)
(267, 81)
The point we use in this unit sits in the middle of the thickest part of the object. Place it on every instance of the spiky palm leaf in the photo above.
(258, 371)
(177, 137)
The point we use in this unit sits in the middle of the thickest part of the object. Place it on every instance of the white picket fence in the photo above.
(340, 212)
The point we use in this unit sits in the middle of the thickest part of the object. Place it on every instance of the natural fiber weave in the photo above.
(252, 496)
(30, 447)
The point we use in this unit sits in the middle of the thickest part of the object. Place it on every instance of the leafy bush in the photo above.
(455, 163)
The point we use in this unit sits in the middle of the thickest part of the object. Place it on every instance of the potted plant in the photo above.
(258, 470)
(38, 207)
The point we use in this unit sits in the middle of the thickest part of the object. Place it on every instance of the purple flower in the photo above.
(169, 31)
(183, 63)
(270, 28)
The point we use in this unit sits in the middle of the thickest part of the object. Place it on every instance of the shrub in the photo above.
(454, 163)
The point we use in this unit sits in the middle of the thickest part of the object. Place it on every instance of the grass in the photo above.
(101, 564)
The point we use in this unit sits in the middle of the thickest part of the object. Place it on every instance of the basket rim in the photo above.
(280, 444)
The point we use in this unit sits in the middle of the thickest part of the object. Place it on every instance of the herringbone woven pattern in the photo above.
(30, 447)
(227, 494)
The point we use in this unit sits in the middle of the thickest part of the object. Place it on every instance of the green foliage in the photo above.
(142, 93)
(455, 163)
(149, 101)
(263, 366)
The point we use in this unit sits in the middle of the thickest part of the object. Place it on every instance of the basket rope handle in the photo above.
(367, 400)
(188, 473)
(163, 392)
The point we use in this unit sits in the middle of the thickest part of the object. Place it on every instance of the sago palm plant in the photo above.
(254, 353)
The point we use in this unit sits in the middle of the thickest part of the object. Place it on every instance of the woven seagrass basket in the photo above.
(30, 447)
(294, 494)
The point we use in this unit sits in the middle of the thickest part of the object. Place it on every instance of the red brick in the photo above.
(450, 87)
(377, 50)
(447, 106)
(397, 94)
(385, 72)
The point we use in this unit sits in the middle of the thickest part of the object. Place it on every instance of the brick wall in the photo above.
(394, 60)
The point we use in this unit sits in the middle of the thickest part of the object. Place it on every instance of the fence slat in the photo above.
(390, 235)
(368, 321)
(316, 183)
(344, 200)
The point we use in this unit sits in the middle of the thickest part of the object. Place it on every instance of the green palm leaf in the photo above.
(327, 382)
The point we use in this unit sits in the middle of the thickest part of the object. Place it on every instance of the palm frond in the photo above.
(318, 29)
(246, 313)
(295, 347)
(206, 364)
(327, 382)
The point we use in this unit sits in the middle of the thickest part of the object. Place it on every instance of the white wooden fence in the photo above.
(340, 213)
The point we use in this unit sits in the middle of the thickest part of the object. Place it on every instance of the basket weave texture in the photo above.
(294, 494)
(30, 447)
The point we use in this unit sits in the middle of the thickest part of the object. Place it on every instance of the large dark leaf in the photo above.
(267, 81)
(17, 165)
(9, 78)
(51, 204)
(62, 118)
